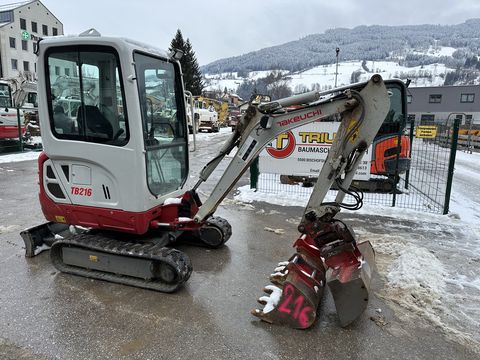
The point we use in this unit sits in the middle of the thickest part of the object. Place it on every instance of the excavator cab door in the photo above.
(164, 123)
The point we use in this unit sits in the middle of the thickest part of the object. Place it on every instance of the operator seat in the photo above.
(96, 122)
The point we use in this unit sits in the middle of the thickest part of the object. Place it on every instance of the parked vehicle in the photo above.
(206, 116)
(8, 114)
(233, 116)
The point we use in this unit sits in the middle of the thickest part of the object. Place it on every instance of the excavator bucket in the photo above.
(298, 288)
(348, 277)
(298, 284)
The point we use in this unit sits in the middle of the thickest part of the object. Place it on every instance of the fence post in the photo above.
(407, 174)
(254, 174)
(451, 165)
(396, 178)
(19, 129)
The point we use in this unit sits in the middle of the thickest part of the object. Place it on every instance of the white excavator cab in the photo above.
(121, 142)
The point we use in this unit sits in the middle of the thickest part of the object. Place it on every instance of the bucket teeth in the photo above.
(280, 273)
(294, 298)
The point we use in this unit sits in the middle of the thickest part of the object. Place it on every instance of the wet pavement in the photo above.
(48, 315)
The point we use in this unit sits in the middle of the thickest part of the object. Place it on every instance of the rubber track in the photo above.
(149, 251)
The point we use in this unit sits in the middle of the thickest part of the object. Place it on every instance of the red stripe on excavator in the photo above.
(103, 218)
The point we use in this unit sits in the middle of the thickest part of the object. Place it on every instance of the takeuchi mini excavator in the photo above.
(112, 178)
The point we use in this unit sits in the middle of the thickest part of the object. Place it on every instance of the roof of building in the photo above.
(14, 6)
(443, 87)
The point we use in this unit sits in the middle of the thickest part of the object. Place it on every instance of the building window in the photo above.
(14, 64)
(67, 72)
(35, 45)
(467, 98)
(435, 99)
(409, 99)
(45, 30)
(468, 120)
(34, 27)
(57, 70)
(12, 43)
(54, 31)
(24, 45)
(23, 24)
(26, 66)
(6, 16)
(427, 118)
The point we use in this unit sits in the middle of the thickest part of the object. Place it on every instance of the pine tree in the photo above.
(192, 77)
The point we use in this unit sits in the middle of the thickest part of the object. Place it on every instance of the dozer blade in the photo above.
(41, 237)
(294, 300)
(349, 281)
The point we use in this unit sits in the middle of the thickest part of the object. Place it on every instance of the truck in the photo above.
(205, 117)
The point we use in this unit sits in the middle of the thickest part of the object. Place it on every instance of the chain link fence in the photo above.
(411, 169)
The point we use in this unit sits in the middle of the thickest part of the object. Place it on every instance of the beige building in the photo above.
(21, 25)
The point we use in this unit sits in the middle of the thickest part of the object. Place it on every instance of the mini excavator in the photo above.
(112, 175)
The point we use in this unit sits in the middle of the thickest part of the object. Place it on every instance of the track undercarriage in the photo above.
(147, 262)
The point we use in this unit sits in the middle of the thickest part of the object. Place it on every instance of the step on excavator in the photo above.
(112, 178)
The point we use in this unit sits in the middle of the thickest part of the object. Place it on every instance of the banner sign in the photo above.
(302, 152)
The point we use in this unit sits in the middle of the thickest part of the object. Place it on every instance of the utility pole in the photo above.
(337, 50)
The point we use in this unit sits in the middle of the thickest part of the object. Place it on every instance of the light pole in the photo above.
(337, 50)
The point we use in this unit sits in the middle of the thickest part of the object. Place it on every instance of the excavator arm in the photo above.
(363, 106)
(326, 251)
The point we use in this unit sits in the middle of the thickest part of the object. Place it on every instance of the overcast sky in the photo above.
(223, 28)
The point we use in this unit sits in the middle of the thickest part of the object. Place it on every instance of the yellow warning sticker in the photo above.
(426, 131)
(60, 219)
(93, 257)
(350, 127)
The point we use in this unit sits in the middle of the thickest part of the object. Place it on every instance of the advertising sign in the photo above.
(302, 152)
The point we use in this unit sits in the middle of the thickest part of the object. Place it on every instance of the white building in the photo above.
(21, 25)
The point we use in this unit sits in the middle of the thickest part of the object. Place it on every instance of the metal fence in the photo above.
(425, 186)
(19, 130)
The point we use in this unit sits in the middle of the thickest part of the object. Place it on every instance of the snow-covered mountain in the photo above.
(429, 55)
(323, 77)
(361, 43)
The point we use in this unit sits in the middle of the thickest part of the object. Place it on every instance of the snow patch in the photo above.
(276, 231)
(417, 269)
(25, 156)
(170, 201)
(8, 228)
(271, 300)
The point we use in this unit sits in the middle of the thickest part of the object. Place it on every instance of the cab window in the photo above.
(86, 106)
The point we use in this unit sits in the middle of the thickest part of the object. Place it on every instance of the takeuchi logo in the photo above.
(283, 146)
